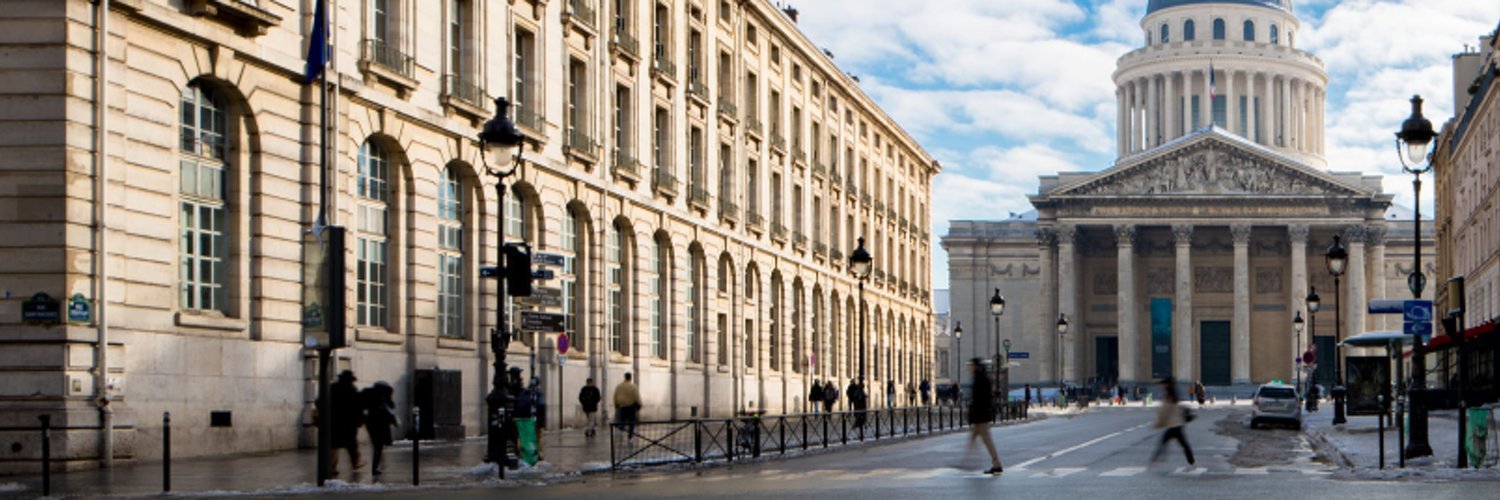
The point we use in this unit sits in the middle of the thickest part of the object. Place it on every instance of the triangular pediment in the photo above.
(1209, 163)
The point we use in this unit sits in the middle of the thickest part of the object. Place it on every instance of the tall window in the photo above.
(571, 305)
(752, 190)
(776, 198)
(623, 13)
(624, 150)
(203, 208)
(618, 280)
(817, 218)
(797, 216)
(1189, 30)
(776, 115)
(1275, 35)
(1166, 34)
(833, 225)
(516, 222)
(695, 157)
(371, 247)
(752, 281)
(1249, 31)
(661, 142)
(451, 256)
(657, 262)
(695, 306)
(380, 20)
(726, 173)
(524, 97)
(726, 78)
(661, 32)
(577, 97)
(798, 360)
(773, 343)
(797, 129)
(752, 98)
(817, 333)
(695, 56)
(817, 150)
(458, 40)
(1219, 29)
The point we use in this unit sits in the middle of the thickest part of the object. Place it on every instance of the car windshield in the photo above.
(1277, 393)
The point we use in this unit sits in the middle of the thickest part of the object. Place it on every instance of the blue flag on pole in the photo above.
(317, 47)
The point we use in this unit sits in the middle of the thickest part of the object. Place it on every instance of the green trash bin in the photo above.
(1477, 435)
(526, 430)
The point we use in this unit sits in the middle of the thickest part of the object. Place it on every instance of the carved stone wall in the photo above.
(1269, 280)
(1213, 279)
(1209, 170)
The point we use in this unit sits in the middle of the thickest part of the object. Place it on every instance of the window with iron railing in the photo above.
(388, 56)
(581, 11)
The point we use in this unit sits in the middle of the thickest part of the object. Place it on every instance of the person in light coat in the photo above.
(1170, 415)
(627, 406)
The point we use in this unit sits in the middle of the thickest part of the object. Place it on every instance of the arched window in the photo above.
(1189, 30)
(752, 281)
(856, 348)
(658, 261)
(518, 227)
(818, 359)
(695, 305)
(372, 248)
(620, 282)
(203, 210)
(1166, 32)
(451, 213)
(574, 277)
(1219, 29)
(1249, 30)
(1275, 35)
(773, 342)
(798, 359)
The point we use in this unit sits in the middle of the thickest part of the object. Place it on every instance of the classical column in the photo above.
(1231, 104)
(1046, 239)
(1121, 111)
(1187, 103)
(1355, 307)
(1283, 122)
(1240, 342)
(1297, 233)
(1125, 293)
(1375, 241)
(1067, 298)
(1169, 108)
(1252, 122)
(1182, 324)
(1205, 104)
(1153, 113)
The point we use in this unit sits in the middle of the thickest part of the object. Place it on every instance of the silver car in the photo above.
(1276, 403)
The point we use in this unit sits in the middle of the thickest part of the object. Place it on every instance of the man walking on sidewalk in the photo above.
(348, 417)
(588, 398)
(830, 396)
(627, 406)
(1172, 417)
(981, 412)
(815, 397)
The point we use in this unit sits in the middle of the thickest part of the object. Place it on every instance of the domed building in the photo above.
(1190, 256)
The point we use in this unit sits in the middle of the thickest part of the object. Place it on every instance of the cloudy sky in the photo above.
(1001, 91)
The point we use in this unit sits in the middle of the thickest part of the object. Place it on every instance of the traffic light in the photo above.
(518, 269)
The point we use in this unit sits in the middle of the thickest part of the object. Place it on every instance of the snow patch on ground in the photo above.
(1357, 444)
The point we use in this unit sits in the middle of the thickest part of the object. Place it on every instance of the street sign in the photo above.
(548, 301)
(490, 272)
(562, 344)
(78, 309)
(41, 309)
(1417, 310)
(533, 321)
(1007, 345)
(1020, 355)
(1387, 306)
(547, 259)
(542, 274)
(1421, 329)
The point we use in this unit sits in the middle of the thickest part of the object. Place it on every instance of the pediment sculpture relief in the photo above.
(1207, 171)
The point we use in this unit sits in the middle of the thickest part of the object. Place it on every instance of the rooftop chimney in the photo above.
(791, 12)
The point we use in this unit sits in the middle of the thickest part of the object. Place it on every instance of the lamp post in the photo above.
(859, 265)
(1062, 330)
(1416, 134)
(1337, 259)
(1297, 324)
(958, 354)
(997, 308)
(1314, 303)
(499, 134)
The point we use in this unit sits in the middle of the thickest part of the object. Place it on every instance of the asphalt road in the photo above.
(1100, 454)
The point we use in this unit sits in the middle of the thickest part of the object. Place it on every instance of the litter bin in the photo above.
(1476, 436)
(526, 429)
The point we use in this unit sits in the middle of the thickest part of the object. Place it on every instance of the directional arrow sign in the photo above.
(1020, 355)
(532, 321)
(547, 259)
(1417, 310)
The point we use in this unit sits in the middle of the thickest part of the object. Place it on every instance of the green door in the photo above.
(1107, 357)
(1161, 338)
(1213, 352)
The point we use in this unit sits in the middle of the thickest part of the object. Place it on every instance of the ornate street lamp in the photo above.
(1062, 329)
(1337, 259)
(1415, 136)
(1297, 324)
(1314, 303)
(958, 354)
(997, 308)
(498, 136)
(860, 263)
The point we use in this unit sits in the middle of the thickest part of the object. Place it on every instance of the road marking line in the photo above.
(1055, 454)
(1189, 471)
(1124, 472)
(1060, 472)
(1252, 471)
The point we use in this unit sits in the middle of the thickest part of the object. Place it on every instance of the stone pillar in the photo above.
(1125, 294)
(1046, 239)
(1121, 112)
(1240, 333)
(1153, 113)
(1297, 234)
(1067, 298)
(1182, 310)
(1252, 122)
(1187, 102)
(1375, 240)
(1169, 107)
(1205, 104)
(1283, 122)
(1356, 309)
(1231, 104)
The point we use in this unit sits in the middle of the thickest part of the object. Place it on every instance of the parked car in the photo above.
(1276, 403)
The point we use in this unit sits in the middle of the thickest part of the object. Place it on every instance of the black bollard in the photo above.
(46, 454)
(416, 446)
(166, 451)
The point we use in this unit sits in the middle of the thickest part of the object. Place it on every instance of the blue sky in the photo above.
(1001, 91)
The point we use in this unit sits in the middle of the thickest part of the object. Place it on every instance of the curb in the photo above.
(1326, 448)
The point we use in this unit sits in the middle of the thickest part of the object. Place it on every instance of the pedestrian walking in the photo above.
(981, 413)
(830, 396)
(1312, 397)
(627, 406)
(926, 392)
(588, 398)
(1028, 395)
(524, 416)
(815, 396)
(1198, 389)
(1172, 417)
(348, 416)
(380, 421)
(890, 394)
(858, 402)
(911, 394)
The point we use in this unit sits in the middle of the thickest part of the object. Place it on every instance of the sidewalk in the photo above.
(567, 453)
(1356, 447)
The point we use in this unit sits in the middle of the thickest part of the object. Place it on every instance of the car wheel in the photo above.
(1254, 424)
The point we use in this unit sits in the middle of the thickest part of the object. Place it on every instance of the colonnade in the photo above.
(1280, 111)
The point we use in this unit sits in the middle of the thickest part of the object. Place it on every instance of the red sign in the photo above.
(562, 343)
(1308, 358)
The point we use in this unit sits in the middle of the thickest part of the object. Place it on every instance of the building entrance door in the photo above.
(1161, 338)
(1324, 373)
(1213, 353)
(1107, 357)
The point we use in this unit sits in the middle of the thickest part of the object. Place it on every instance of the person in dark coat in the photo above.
(815, 396)
(858, 403)
(380, 418)
(348, 416)
(981, 413)
(588, 398)
(890, 394)
(830, 396)
(926, 389)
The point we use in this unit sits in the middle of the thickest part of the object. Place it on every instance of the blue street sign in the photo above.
(1387, 306)
(1020, 355)
(1421, 329)
(1417, 310)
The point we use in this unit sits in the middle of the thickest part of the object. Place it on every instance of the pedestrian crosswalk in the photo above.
(1054, 473)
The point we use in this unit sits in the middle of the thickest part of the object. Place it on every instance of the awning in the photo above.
(1377, 339)
(1480, 330)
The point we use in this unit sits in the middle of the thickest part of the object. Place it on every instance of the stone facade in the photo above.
(1466, 176)
(727, 292)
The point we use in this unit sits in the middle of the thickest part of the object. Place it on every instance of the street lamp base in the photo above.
(1417, 444)
(1338, 407)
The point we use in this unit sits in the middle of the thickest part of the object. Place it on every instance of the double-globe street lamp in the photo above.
(860, 263)
(1415, 136)
(498, 136)
(1297, 324)
(1309, 361)
(958, 355)
(997, 308)
(1062, 331)
(1337, 259)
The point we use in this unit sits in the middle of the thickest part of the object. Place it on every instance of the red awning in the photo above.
(1482, 329)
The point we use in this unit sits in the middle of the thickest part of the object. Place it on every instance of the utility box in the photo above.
(439, 393)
